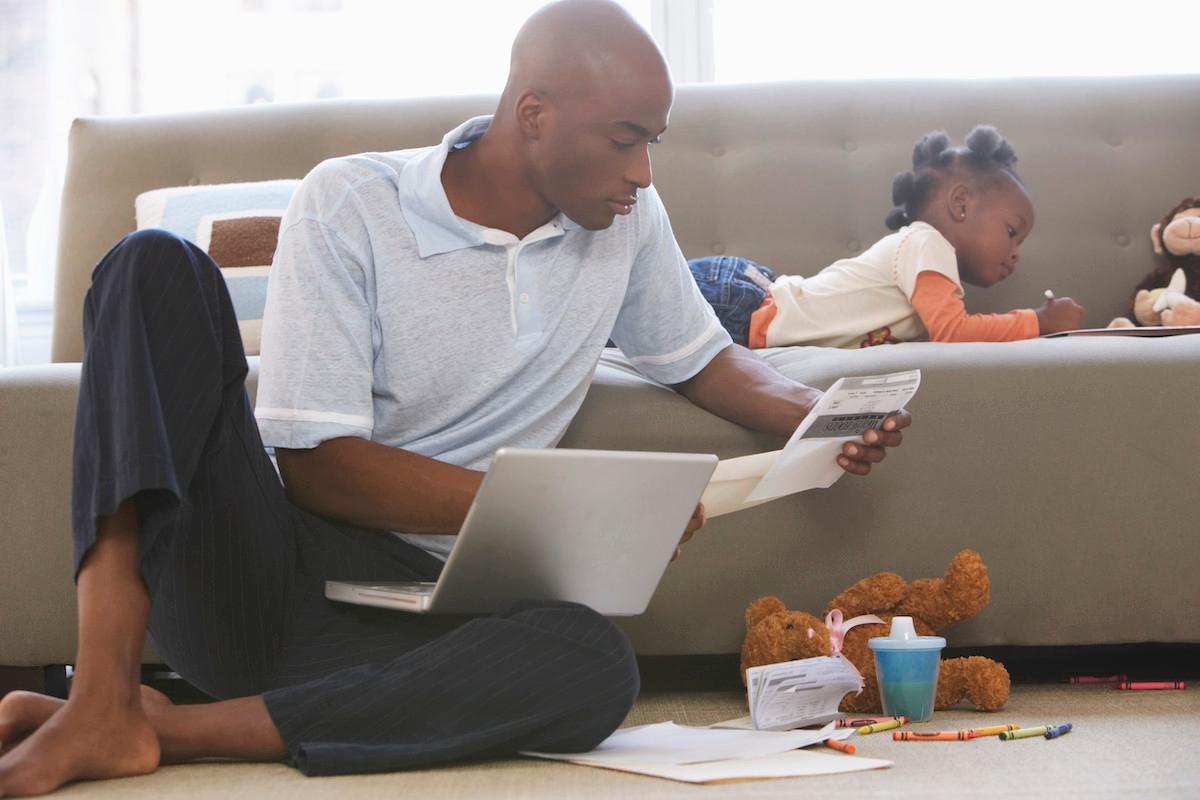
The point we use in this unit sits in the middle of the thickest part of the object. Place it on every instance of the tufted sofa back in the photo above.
(794, 175)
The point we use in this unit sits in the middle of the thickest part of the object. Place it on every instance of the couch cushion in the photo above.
(235, 223)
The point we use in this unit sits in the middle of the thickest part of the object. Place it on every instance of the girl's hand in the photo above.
(1059, 314)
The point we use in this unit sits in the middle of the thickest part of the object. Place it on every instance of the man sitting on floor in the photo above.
(425, 308)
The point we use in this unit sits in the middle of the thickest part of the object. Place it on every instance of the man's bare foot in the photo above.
(22, 713)
(80, 740)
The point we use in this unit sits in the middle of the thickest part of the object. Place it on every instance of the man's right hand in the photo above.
(1059, 314)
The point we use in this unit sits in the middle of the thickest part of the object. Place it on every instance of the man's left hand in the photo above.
(857, 457)
(694, 524)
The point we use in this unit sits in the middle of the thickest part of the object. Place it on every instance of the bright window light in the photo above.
(757, 40)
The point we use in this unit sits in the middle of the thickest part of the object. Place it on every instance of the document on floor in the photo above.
(794, 693)
(847, 410)
(709, 755)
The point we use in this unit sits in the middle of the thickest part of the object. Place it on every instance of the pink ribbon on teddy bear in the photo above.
(839, 628)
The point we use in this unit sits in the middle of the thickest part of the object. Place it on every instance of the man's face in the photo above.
(595, 153)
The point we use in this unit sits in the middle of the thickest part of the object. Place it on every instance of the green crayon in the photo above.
(1023, 733)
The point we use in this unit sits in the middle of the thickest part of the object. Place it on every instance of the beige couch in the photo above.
(1070, 464)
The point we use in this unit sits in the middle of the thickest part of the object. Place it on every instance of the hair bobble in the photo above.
(985, 142)
(929, 150)
(902, 188)
(897, 219)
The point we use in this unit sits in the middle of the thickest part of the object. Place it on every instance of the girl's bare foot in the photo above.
(80, 740)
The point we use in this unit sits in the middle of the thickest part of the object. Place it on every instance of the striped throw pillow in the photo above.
(237, 224)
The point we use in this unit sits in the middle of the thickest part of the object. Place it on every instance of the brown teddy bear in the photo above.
(1170, 295)
(774, 634)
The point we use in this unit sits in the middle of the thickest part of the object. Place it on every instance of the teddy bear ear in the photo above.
(762, 608)
(1156, 238)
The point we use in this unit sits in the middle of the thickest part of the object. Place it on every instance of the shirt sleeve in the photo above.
(939, 304)
(924, 249)
(665, 326)
(316, 370)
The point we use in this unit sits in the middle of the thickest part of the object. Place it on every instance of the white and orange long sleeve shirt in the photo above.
(904, 288)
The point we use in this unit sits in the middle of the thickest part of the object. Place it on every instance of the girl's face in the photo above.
(991, 232)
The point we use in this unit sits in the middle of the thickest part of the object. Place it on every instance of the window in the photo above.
(758, 40)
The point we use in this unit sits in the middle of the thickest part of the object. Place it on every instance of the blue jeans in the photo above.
(735, 288)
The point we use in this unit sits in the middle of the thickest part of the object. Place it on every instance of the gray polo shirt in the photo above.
(391, 319)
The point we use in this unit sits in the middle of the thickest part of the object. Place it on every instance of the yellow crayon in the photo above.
(1040, 730)
(995, 729)
(883, 726)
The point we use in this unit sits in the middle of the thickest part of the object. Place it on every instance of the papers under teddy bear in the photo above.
(847, 410)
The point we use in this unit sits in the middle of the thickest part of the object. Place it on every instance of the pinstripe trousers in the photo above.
(236, 572)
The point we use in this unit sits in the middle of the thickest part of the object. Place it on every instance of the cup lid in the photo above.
(903, 636)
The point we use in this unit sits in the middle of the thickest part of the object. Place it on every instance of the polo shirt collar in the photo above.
(423, 200)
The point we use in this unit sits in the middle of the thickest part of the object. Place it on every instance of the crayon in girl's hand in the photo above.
(1145, 685)
(845, 747)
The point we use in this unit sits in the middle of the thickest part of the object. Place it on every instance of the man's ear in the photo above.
(531, 110)
(959, 201)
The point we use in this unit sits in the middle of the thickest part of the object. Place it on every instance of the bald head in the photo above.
(575, 50)
(588, 94)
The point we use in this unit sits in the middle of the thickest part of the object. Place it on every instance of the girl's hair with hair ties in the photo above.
(987, 156)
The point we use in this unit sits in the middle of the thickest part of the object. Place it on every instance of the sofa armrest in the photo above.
(37, 593)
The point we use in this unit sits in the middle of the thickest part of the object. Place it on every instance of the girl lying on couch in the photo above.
(961, 215)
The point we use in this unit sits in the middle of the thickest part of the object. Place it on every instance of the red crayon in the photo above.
(1089, 679)
(1148, 685)
(933, 736)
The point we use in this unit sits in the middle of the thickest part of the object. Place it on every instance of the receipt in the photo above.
(849, 408)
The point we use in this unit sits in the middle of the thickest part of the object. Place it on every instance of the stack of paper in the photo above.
(795, 693)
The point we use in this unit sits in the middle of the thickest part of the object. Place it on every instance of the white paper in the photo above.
(668, 743)
(733, 480)
(791, 764)
(849, 408)
(803, 692)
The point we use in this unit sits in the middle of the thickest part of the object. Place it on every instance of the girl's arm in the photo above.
(939, 306)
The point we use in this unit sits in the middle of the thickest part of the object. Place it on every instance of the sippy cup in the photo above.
(906, 666)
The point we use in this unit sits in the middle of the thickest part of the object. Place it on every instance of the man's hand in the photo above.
(857, 458)
(694, 524)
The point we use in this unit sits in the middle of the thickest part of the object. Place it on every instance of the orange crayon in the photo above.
(933, 736)
(993, 730)
(844, 747)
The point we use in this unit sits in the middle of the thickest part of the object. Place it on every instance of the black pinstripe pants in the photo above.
(236, 572)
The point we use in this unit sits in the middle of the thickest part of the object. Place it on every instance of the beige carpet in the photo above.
(1125, 744)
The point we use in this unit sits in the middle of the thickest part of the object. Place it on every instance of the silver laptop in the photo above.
(596, 527)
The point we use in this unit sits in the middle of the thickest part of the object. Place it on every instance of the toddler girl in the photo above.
(961, 214)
